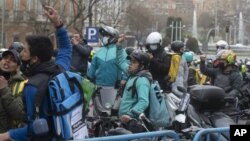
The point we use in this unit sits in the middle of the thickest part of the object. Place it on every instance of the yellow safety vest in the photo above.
(17, 88)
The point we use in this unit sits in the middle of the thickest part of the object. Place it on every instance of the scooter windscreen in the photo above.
(108, 96)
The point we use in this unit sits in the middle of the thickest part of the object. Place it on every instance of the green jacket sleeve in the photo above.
(12, 105)
(121, 60)
(143, 90)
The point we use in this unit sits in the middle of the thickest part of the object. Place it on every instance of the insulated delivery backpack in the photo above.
(158, 110)
(67, 102)
(67, 106)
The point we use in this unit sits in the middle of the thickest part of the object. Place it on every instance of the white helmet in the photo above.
(221, 44)
(154, 38)
(154, 41)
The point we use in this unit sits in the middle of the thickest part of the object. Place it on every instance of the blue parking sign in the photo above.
(93, 34)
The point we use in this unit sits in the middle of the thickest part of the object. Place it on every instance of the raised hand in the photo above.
(121, 38)
(52, 14)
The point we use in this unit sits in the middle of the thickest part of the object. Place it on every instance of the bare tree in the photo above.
(81, 11)
(205, 20)
(110, 12)
(139, 20)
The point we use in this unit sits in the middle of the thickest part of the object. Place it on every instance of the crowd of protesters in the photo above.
(23, 65)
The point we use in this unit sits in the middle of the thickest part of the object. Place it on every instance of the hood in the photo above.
(145, 73)
(45, 67)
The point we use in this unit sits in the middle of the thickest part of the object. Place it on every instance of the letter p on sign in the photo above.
(93, 34)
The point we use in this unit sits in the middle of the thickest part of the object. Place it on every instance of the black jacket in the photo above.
(79, 60)
(159, 67)
(232, 80)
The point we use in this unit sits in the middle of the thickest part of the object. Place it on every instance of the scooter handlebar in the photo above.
(139, 115)
(146, 122)
(244, 112)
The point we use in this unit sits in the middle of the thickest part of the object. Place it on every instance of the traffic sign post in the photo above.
(92, 34)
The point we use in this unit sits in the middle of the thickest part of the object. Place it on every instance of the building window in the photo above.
(1, 4)
(2, 42)
(38, 6)
(29, 4)
(16, 5)
(35, 4)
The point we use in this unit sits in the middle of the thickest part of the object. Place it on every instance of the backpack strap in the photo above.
(133, 87)
(42, 90)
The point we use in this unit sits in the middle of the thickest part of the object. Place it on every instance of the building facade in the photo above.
(20, 18)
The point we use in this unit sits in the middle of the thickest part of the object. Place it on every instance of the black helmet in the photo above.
(176, 46)
(141, 57)
(129, 50)
(18, 46)
(110, 31)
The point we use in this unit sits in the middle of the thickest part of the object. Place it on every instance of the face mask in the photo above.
(153, 47)
(105, 41)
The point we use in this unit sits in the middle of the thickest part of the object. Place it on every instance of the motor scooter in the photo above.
(204, 112)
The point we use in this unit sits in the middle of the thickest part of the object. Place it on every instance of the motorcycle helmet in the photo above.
(188, 55)
(154, 41)
(141, 57)
(176, 46)
(18, 46)
(227, 55)
(109, 31)
(129, 50)
(221, 44)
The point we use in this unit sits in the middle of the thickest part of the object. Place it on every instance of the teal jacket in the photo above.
(103, 70)
(137, 103)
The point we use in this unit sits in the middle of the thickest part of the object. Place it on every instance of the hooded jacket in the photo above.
(38, 80)
(181, 78)
(104, 70)
(80, 55)
(130, 102)
(11, 108)
(231, 80)
(159, 68)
